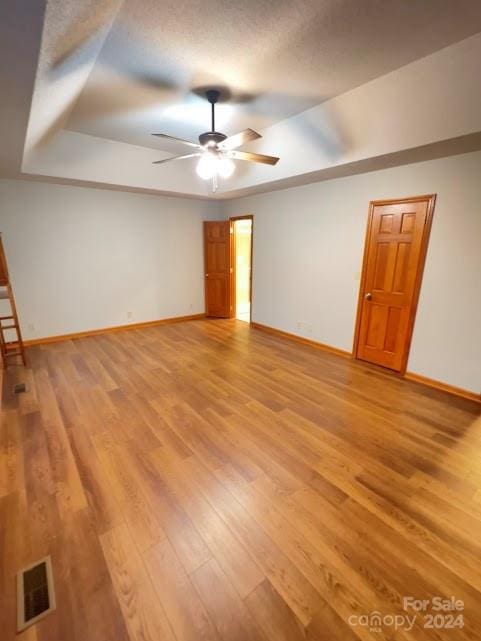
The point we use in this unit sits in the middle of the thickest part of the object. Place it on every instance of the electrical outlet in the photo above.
(130, 314)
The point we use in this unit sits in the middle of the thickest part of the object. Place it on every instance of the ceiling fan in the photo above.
(216, 150)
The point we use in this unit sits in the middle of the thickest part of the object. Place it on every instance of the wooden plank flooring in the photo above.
(209, 482)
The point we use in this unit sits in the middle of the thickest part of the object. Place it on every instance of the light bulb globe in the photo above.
(207, 166)
(225, 167)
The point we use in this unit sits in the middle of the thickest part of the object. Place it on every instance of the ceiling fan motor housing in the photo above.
(211, 138)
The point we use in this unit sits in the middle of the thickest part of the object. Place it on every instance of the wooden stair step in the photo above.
(12, 345)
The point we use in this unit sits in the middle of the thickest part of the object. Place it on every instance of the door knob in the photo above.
(368, 296)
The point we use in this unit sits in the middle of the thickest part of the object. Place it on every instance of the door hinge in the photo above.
(231, 270)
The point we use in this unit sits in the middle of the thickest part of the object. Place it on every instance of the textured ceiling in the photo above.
(278, 57)
(93, 78)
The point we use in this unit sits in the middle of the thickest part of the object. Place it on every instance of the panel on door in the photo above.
(218, 272)
(393, 262)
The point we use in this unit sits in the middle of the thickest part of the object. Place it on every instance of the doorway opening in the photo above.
(242, 262)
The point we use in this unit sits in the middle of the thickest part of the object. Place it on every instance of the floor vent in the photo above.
(35, 593)
(19, 388)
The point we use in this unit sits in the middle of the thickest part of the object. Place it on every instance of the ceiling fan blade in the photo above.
(181, 140)
(160, 162)
(246, 155)
(232, 142)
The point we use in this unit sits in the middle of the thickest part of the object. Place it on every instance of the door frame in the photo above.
(431, 199)
(232, 220)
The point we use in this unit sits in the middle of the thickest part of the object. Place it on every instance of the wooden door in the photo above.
(396, 243)
(218, 268)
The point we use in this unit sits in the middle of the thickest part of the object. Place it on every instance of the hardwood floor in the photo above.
(207, 481)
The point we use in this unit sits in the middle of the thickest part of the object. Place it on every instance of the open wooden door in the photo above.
(218, 268)
(394, 254)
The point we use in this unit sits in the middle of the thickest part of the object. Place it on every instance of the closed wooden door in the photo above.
(218, 268)
(394, 254)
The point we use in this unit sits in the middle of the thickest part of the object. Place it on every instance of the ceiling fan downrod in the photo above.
(212, 96)
(210, 139)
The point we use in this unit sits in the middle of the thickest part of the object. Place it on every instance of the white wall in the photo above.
(308, 244)
(81, 258)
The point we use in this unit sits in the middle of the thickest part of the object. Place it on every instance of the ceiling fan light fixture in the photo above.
(207, 166)
(212, 164)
